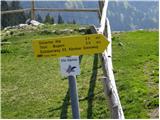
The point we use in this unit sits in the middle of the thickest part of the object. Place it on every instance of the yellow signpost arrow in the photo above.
(69, 46)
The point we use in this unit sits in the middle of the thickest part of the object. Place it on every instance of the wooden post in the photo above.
(101, 4)
(108, 89)
(50, 10)
(33, 11)
(106, 59)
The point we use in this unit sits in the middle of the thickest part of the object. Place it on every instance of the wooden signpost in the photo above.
(69, 46)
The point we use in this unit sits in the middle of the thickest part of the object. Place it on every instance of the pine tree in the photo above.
(52, 20)
(18, 17)
(15, 18)
(4, 18)
(49, 19)
(60, 19)
(15, 5)
(4, 6)
(74, 22)
(39, 18)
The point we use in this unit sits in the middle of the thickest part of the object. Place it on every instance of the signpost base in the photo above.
(74, 97)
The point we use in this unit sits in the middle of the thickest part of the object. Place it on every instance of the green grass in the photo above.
(136, 66)
(34, 88)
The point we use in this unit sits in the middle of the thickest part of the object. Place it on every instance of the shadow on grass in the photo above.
(63, 108)
(80, 59)
(92, 86)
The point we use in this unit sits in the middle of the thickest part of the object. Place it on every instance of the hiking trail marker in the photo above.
(70, 46)
(70, 66)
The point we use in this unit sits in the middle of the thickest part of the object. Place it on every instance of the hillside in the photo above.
(34, 88)
(123, 15)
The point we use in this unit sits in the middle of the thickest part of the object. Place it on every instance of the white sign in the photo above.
(70, 66)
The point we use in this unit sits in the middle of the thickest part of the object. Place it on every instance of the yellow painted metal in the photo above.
(70, 46)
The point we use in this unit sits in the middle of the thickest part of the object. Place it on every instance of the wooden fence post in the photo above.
(106, 59)
(33, 11)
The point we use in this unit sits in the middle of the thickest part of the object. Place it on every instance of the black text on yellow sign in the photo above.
(69, 46)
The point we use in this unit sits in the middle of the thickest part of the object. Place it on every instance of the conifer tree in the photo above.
(49, 19)
(17, 18)
(52, 20)
(12, 19)
(74, 22)
(4, 18)
(60, 19)
(39, 18)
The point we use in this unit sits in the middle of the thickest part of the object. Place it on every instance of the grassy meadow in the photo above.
(34, 88)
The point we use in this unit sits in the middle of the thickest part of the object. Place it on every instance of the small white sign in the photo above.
(70, 66)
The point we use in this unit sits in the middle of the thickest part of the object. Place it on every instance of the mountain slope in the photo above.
(133, 15)
(123, 15)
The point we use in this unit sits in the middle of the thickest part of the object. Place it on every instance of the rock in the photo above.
(7, 28)
(30, 28)
(15, 27)
(45, 32)
(57, 32)
(88, 31)
(32, 22)
(7, 33)
(22, 25)
(71, 31)
(53, 31)
(28, 21)
(35, 23)
(82, 33)
(93, 29)
(66, 31)
(82, 29)
(120, 44)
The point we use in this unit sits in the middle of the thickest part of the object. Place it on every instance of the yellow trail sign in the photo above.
(69, 46)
